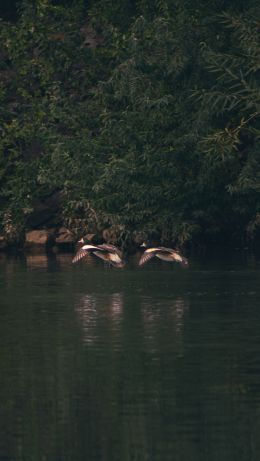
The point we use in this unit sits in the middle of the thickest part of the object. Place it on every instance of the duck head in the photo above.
(185, 262)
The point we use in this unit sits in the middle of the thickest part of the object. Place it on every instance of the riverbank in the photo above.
(61, 240)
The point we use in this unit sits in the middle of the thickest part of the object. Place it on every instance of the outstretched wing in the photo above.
(83, 252)
(147, 255)
(110, 248)
(179, 258)
(79, 255)
(112, 254)
(168, 254)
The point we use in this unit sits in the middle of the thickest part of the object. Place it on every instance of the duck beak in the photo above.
(81, 240)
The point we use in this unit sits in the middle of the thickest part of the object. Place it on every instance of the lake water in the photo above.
(140, 364)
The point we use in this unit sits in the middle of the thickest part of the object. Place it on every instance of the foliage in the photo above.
(141, 181)
(146, 122)
(45, 127)
(231, 146)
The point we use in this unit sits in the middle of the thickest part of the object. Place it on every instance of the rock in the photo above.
(64, 236)
(39, 238)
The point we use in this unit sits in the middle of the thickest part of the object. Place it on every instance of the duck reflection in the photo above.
(97, 313)
(161, 317)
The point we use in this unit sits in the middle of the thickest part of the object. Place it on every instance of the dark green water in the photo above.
(157, 363)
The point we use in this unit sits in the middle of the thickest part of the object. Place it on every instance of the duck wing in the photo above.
(110, 248)
(147, 255)
(84, 251)
(114, 255)
(168, 254)
(179, 258)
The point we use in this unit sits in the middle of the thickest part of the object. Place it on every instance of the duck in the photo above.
(105, 251)
(166, 254)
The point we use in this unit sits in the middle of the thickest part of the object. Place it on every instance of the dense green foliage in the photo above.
(139, 116)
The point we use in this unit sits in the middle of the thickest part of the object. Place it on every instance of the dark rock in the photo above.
(64, 236)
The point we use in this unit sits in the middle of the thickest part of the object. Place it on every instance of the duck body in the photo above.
(166, 254)
(105, 251)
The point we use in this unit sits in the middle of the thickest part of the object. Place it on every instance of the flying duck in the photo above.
(166, 254)
(107, 252)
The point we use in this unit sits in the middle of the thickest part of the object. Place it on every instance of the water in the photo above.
(155, 364)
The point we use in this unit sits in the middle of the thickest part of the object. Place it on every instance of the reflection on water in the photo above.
(92, 309)
(37, 260)
(151, 364)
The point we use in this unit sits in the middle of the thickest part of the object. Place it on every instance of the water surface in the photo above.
(157, 363)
